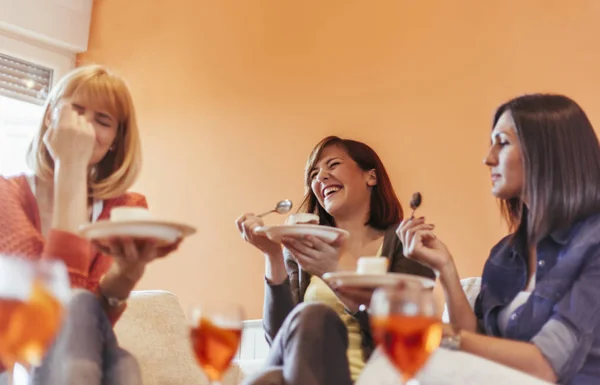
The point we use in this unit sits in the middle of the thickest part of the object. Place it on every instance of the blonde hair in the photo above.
(120, 167)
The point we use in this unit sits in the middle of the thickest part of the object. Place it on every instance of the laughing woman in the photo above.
(348, 187)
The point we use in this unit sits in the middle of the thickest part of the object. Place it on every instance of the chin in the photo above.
(503, 194)
(332, 209)
(97, 157)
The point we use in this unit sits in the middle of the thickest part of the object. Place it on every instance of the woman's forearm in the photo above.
(523, 356)
(70, 197)
(119, 283)
(275, 271)
(459, 309)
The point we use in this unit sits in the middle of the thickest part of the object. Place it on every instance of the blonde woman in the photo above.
(85, 157)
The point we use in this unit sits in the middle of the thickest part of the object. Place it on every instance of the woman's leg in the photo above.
(121, 368)
(309, 349)
(86, 350)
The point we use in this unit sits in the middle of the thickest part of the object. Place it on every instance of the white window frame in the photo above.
(61, 62)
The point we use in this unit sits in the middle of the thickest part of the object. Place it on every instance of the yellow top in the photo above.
(318, 291)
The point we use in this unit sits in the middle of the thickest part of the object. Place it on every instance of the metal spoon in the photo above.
(282, 207)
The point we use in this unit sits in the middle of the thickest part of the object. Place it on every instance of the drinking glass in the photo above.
(33, 295)
(405, 325)
(215, 334)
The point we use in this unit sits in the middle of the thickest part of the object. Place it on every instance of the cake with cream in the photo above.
(372, 265)
(302, 219)
(122, 214)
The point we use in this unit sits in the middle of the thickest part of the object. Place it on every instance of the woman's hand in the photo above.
(247, 225)
(70, 137)
(130, 259)
(420, 243)
(315, 255)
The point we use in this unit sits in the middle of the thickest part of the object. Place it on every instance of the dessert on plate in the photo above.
(302, 219)
(372, 265)
(123, 214)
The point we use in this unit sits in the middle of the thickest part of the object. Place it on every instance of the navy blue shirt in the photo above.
(562, 315)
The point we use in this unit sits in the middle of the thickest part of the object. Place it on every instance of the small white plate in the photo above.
(326, 233)
(166, 233)
(352, 279)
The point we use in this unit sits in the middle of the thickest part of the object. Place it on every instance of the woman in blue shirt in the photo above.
(539, 306)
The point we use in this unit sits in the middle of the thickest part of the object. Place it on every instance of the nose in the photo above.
(490, 159)
(322, 176)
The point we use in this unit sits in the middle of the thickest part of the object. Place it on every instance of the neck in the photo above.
(360, 233)
(43, 187)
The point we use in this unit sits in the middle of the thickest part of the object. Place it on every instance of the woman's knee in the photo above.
(84, 301)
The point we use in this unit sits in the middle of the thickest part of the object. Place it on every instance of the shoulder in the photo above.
(391, 242)
(129, 199)
(14, 188)
(583, 236)
(502, 244)
(586, 230)
(13, 183)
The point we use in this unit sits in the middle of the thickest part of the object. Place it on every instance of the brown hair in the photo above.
(119, 169)
(385, 208)
(561, 160)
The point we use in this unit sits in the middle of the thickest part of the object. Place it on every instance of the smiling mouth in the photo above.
(331, 190)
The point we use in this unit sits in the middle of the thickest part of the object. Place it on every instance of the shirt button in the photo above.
(541, 263)
(513, 317)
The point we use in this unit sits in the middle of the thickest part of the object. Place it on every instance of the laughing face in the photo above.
(340, 185)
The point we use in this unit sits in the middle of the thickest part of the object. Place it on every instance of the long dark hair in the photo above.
(561, 160)
(385, 208)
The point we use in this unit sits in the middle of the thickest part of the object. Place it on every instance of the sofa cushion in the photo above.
(154, 330)
(471, 286)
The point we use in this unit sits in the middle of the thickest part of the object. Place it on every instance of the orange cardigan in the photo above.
(20, 234)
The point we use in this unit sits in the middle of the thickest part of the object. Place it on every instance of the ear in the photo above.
(372, 178)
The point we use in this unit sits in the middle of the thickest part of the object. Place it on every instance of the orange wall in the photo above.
(233, 94)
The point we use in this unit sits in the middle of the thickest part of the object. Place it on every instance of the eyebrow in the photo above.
(104, 115)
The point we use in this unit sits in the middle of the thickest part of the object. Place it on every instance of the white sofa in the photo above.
(154, 329)
(471, 287)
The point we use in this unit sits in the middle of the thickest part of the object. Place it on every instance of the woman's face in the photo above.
(505, 160)
(105, 124)
(338, 182)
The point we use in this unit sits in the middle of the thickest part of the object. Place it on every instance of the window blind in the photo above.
(23, 80)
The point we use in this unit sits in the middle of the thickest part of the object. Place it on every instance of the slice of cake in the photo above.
(372, 265)
(122, 214)
(302, 218)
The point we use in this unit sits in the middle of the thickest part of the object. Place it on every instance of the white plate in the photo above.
(166, 232)
(327, 233)
(350, 278)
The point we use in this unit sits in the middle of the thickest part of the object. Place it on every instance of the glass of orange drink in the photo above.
(32, 299)
(215, 334)
(405, 324)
